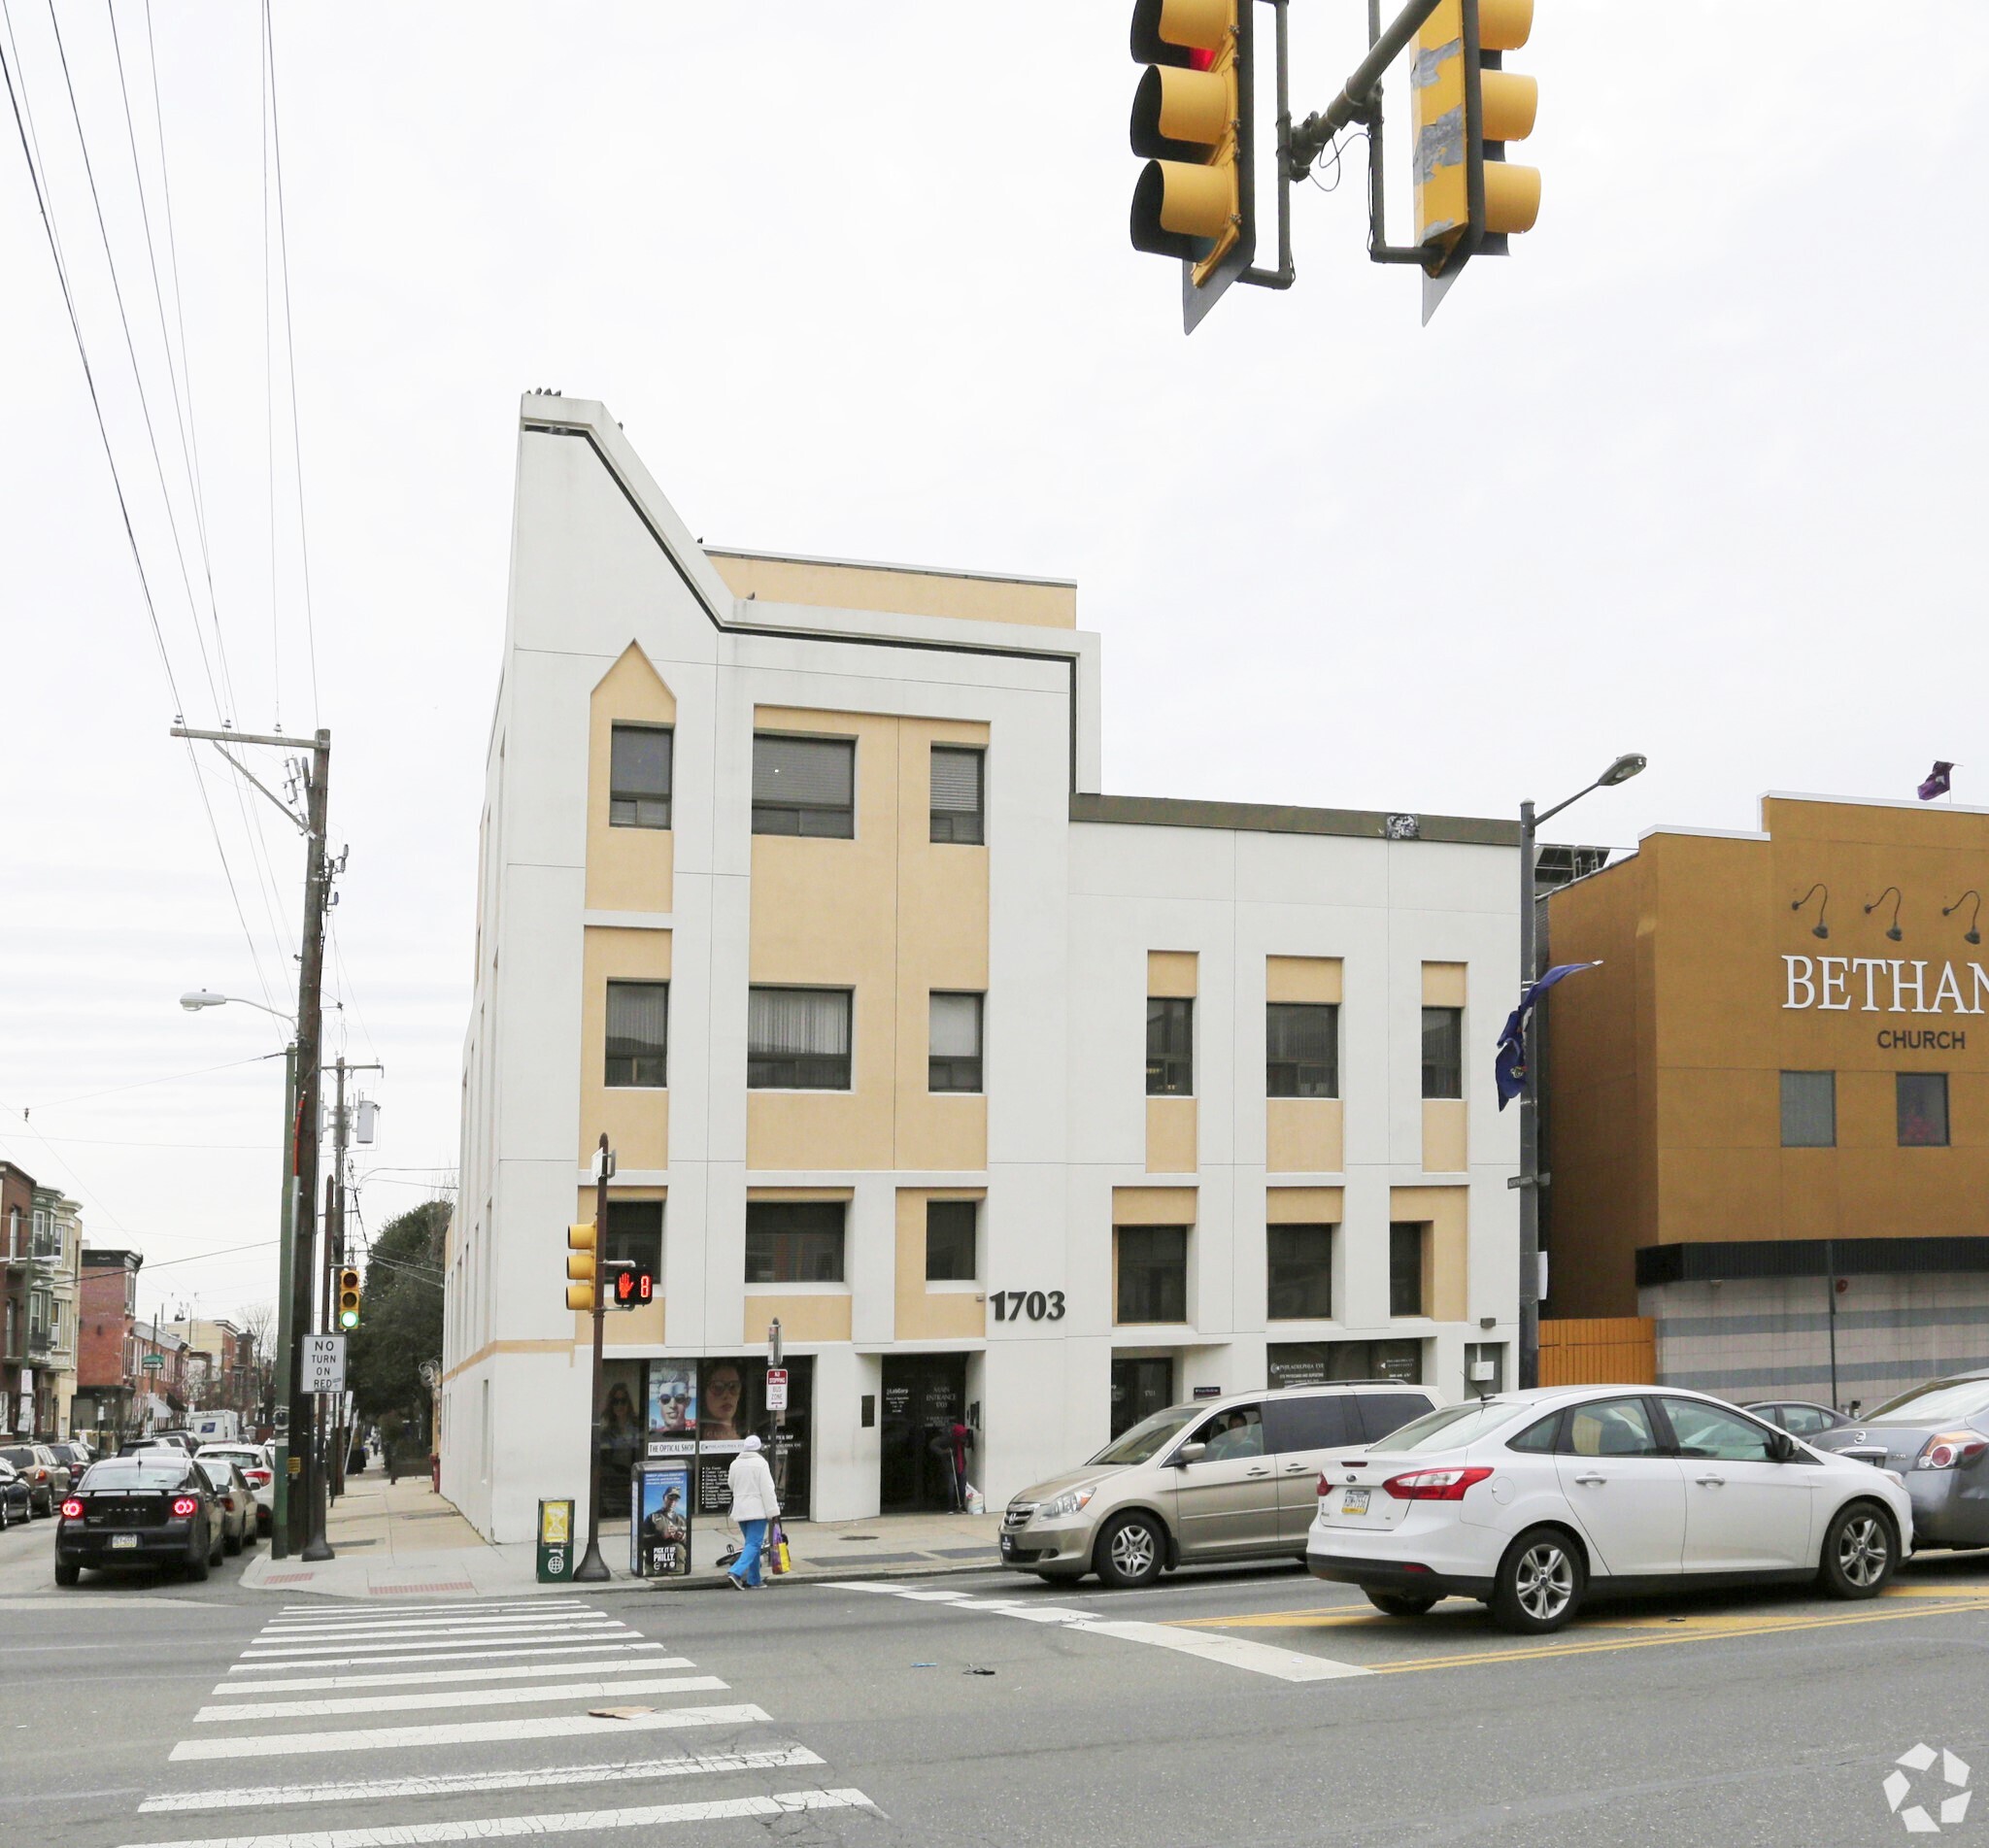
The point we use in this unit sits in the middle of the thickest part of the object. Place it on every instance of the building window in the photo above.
(1407, 1247)
(1170, 1048)
(1301, 1272)
(1318, 1362)
(638, 1035)
(1809, 1110)
(1302, 1048)
(1443, 1052)
(954, 1047)
(950, 1241)
(804, 785)
(797, 1039)
(794, 1241)
(1922, 1109)
(639, 775)
(1153, 1274)
(957, 795)
(635, 1236)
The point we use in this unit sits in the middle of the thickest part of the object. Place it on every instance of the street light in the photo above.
(289, 1443)
(1531, 1178)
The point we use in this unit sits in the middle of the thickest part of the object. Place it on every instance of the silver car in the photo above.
(1937, 1436)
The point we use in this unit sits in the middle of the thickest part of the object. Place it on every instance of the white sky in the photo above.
(1689, 474)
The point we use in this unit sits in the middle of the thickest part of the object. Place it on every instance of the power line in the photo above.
(171, 1078)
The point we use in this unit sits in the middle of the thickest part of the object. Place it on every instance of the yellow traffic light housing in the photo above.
(1469, 198)
(1192, 125)
(583, 1268)
(348, 1297)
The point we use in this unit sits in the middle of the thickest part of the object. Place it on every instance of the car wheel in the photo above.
(231, 1543)
(1859, 1552)
(1400, 1603)
(1131, 1551)
(1539, 1583)
(218, 1547)
(67, 1574)
(198, 1568)
(6, 1519)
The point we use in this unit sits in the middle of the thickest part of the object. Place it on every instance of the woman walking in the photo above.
(754, 1506)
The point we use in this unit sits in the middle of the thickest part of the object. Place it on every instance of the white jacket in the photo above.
(751, 1482)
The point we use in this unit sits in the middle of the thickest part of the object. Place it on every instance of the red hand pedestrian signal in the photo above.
(634, 1286)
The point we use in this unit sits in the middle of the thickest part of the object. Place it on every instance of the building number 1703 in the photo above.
(1039, 1305)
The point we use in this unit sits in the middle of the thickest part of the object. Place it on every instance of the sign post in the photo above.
(776, 1355)
(556, 1542)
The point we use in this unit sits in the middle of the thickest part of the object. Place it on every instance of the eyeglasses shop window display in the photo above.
(703, 1411)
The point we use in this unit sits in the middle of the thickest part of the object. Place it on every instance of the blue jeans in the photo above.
(747, 1565)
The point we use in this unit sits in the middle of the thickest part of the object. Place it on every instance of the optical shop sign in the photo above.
(1883, 985)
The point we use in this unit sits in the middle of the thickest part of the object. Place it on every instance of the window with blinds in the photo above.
(955, 1043)
(804, 785)
(638, 1035)
(639, 775)
(1302, 1048)
(797, 1039)
(794, 1241)
(1443, 1052)
(957, 794)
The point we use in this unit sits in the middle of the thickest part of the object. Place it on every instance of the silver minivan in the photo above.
(1232, 1478)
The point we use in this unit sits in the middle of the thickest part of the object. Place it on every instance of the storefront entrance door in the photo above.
(924, 1394)
(1139, 1388)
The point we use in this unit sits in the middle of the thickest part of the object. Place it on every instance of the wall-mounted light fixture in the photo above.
(1819, 929)
(1893, 930)
(1973, 933)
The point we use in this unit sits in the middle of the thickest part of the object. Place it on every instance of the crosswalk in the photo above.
(466, 1721)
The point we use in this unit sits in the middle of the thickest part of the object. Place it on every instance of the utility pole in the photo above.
(593, 1569)
(335, 1252)
(286, 1334)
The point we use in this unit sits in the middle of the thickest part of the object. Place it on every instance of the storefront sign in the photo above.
(1878, 985)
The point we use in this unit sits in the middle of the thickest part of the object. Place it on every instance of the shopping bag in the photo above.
(977, 1503)
(782, 1560)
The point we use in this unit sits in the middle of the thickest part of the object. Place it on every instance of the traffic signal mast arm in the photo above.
(1361, 98)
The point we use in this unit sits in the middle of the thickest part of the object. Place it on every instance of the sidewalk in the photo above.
(404, 1540)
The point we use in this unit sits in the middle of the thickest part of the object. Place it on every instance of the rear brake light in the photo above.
(186, 1505)
(258, 1478)
(1435, 1485)
(1325, 1487)
(72, 1509)
(1951, 1450)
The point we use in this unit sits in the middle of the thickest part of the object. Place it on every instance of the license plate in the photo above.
(1007, 1543)
(119, 1541)
(1354, 1502)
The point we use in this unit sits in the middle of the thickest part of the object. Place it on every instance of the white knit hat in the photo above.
(752, 1443)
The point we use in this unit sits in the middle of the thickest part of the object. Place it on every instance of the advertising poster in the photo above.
(620, 1415)
(661, 1529)
(672, 1408)
(732, 1404)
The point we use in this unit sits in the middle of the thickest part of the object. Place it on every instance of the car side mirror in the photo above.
(1782, 1447)
(1189, 1454)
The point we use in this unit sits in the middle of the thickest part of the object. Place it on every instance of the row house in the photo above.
(109, 1378)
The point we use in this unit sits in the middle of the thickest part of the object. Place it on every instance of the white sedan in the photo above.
(258, 1464)
(1531, 1500)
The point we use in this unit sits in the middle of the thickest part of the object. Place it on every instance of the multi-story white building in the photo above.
(1008, 1100)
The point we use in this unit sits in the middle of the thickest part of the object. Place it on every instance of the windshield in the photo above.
(1450, 1427)
(218, 1471)
(1151, 1435)
(1941, 1401)
(124, 1474)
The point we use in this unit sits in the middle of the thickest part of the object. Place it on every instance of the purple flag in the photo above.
(1937, 780)
(1509, 1067)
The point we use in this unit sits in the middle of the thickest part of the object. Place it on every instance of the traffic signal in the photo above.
(636, 1285)
(1468, 197)
(348, 1297)
(582, 1265)
(1191, 125)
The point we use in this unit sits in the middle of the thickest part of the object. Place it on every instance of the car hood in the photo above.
(1053, 1486)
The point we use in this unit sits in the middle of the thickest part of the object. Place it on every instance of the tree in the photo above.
(400, 1317)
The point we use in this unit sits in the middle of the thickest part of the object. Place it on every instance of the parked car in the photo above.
(1211, 1481)
(1529, 1500)
(47, 1480)
(1936, 1437)
(1804, 1417)
(152, 1509)
(257, 1463)
(74, 1455)
(185, 1439)
(239, 1520)
(17, 1499)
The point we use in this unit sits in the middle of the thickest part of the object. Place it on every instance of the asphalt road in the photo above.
(1256, 1707)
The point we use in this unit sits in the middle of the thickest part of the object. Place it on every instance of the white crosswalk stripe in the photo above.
(582, 1680)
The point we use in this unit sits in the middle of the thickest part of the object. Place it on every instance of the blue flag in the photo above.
(1509, 1068)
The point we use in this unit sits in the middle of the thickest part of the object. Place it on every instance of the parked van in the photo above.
(1234, 1478)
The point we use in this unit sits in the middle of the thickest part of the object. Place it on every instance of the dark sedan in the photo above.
(17, 1499)
(152, 1509)
(1937, 1436)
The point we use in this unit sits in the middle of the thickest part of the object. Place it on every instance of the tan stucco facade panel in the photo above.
(1446, 1138)
(637, 1121)
(1171, 974)
(1446, 1210)
(929, 1312)
(802, 1318)
(627, 868)
(1304, 1205)
(1304, 1136)
(1301, 978)
(825, 584)
(1443, 985)
(1153, 1205)
(1171, 1135)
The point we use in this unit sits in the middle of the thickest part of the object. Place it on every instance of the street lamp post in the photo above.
(1530, 1179)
